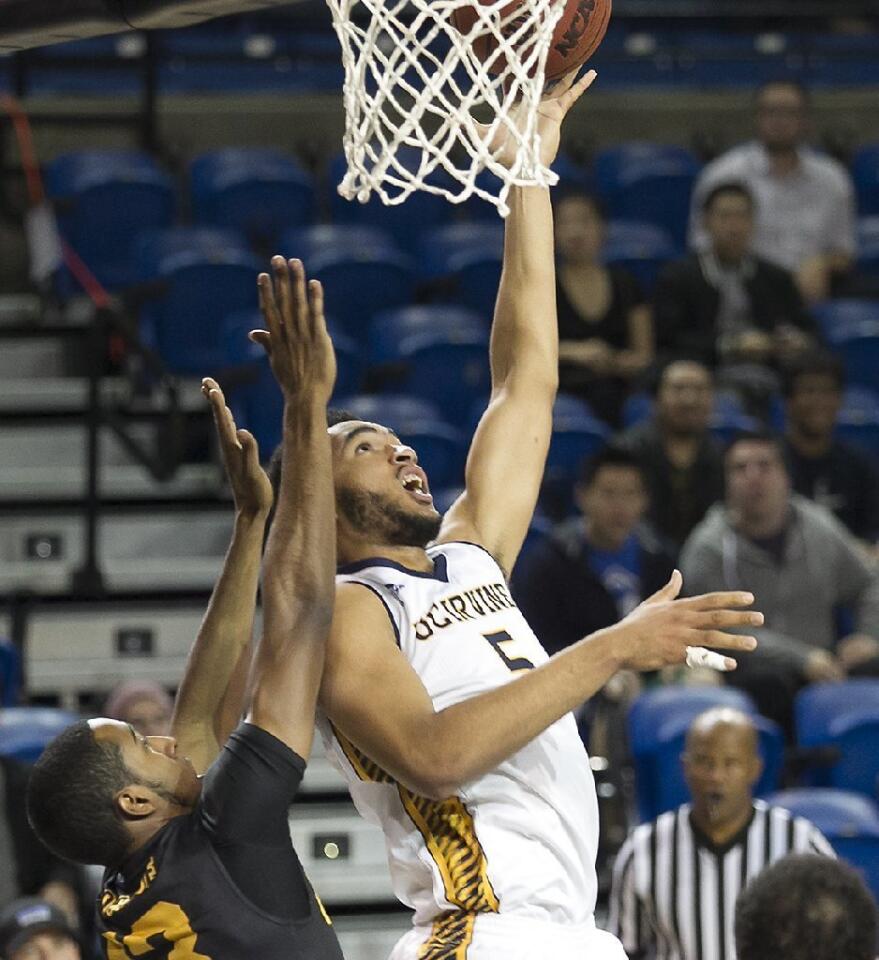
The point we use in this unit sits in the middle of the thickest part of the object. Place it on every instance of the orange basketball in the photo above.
(577, 35)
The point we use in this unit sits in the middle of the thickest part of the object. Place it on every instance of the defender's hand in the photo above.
(657, 633)
(251, 489)
(296, 341)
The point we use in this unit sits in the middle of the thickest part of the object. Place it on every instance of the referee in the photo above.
(676, 880)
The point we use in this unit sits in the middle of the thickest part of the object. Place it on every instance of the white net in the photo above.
(424, 112)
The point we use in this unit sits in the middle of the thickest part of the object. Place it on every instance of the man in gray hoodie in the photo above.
(800, 563)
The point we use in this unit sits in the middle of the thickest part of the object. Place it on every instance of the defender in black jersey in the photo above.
(204, 869)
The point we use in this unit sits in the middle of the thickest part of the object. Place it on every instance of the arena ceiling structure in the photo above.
(37, 23)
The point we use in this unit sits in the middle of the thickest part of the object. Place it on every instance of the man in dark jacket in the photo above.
(594, 569)
(681, 461)
(726, 305)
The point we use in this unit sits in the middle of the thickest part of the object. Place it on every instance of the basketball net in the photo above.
(423, 111)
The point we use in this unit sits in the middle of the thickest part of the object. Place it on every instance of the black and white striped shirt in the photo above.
(674, 892)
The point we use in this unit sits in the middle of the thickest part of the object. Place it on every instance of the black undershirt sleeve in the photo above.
(243, 809)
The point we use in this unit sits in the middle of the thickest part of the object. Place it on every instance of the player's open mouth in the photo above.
(414, 482)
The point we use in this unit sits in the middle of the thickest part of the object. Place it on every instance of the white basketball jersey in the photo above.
(520, 840)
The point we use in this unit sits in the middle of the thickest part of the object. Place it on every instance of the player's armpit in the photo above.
(373, 697)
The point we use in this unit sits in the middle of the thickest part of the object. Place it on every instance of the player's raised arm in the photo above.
(203, 717)
(300, 559)
(513, 436)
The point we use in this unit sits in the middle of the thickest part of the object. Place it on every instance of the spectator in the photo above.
(143, 704)
(595, 568)
(605, 326)
(799, 562)
(725, 305)
(680, 459)
(805, 209)
(829, 471)
(713, 846)
(804, 908)
(33, 929)
(27, 868)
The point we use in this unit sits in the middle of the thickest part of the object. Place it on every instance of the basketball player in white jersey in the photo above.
(451, 724)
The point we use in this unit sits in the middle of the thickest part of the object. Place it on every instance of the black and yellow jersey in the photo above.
(223, 882)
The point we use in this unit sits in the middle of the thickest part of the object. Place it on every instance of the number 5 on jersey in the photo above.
(505, 647)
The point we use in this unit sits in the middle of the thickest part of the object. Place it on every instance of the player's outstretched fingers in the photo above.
(723, 618)
(669, 591)
(299, 319)
(248, 444)
(571, 96)
(283, 297)
(316, 308)
(725, 641)
(700, 657)
(722, 600)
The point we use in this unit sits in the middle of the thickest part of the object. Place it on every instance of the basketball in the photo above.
(577, 35)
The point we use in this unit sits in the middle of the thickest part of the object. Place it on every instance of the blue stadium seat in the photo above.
(820, 705)
(186, 321)
(307, 242)
(10, 674)
(642, 248)
(440, 245)
(848, 820)
(857, 400)
(440, 448)
(868, 246)
(613, 163)
(637, 408)
(477, 276)
(576, 436)
(257, 191)
(860, 428)
(359, 285)
(252, 392)
(26, 731)
(858, 346)
(567, 405)
(865, 172)
(449, 368)
(656, 192)
(103, 199)
(389, 328)
(856, 735)
(835, 317)
(669, 707)
(153, 246)
(404, 221)
(725, 425)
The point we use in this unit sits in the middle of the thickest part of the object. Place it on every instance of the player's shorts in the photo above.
(491, 936)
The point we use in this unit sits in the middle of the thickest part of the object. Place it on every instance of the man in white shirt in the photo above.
(805, 208)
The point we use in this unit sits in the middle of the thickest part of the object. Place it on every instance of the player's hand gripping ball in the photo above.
(577, 35)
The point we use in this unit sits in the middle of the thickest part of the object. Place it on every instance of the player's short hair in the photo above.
(563, 194)
(806, 907)
(70, 797)
(730, 189)
(757, 435)
(814, 363)
(612, 455)
(790, 83)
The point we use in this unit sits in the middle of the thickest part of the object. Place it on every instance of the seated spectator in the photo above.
(714, 846)
(800, 563)
(605, 327)
(142, 703)
(805, 208)
(680, 459)
(33, 929)
(724, 305)
(27, 868)
(595, 568)
(804, 908)
(829, 471)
